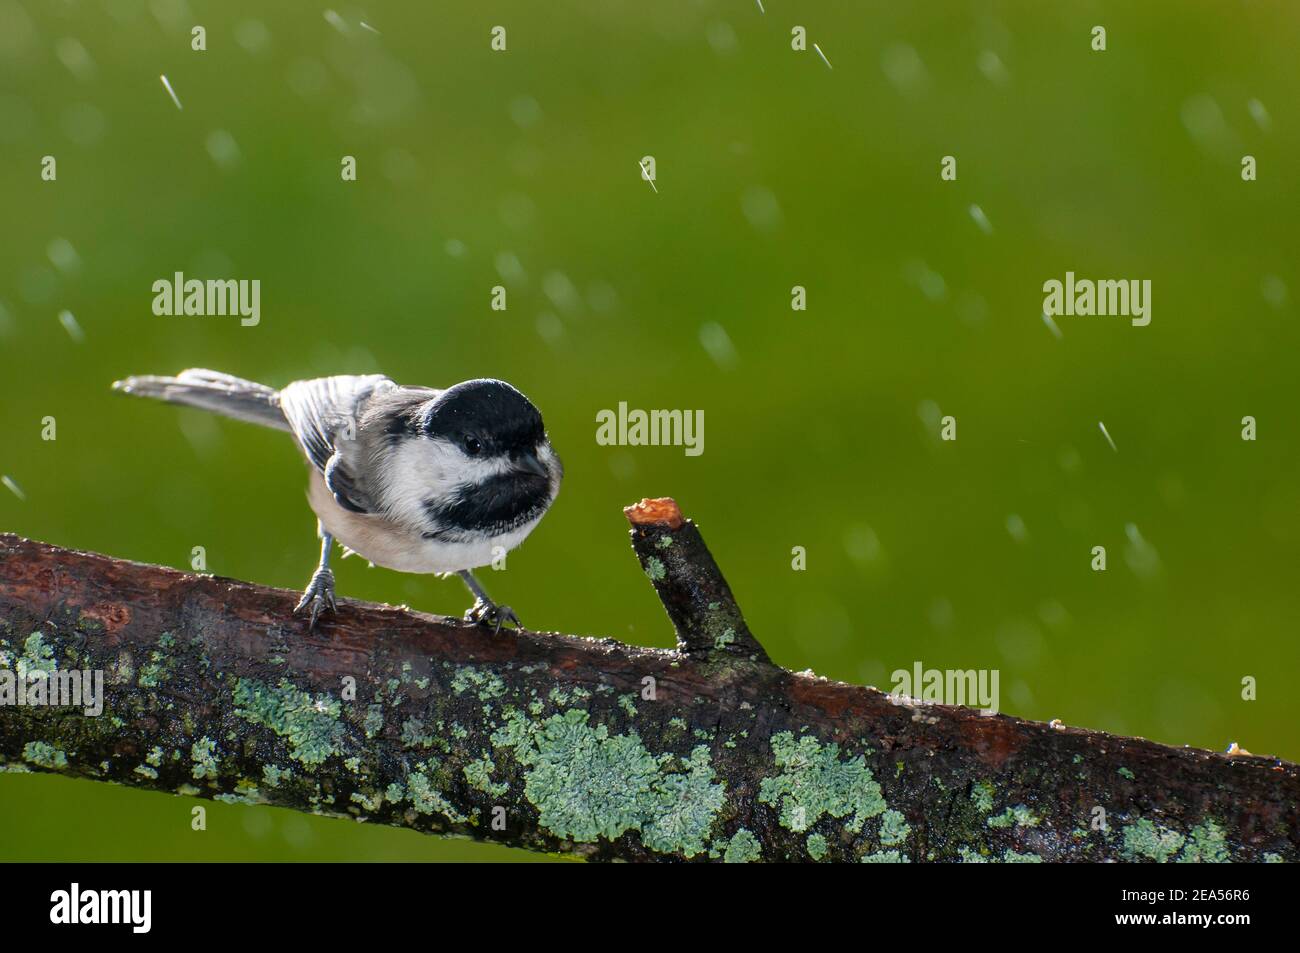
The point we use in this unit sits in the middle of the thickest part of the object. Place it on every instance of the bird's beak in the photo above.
(528, 463)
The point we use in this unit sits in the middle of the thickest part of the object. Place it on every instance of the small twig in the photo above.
(699, 602)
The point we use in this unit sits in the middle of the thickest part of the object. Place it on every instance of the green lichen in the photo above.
(370, 802)
(982, 795)
(161, 665)
(628, 703)
(41, 753)
(814, 782)
(468, 677)
(245, 792)
(423, 794)
(146, 772)
(206, 764)
(589, 784)
(743, 848)
(1206, 844)
(687, 805)
(1126, 773)
(155, 756)
(272, 775)
(1019, 815)
(893, 829)
(309, 723)
(654, 568)
(37, 657)
(1272, 858)
(816, 846)
(720, 625)
(123, 671)
(1011, 857)
(1144, 840)
(414, 735)
(479, 775)
(885, 857)
(374, 722)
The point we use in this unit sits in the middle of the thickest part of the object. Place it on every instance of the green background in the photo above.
(520, 168)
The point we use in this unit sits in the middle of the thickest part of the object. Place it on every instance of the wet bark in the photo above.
(551, 742)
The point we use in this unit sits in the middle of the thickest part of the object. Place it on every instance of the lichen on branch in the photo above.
(563, 744)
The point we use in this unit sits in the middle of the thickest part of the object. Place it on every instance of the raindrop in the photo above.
(252, 36)
(721, 36)
(717, 343)
(525, 111)
(74, 56)
(63, 256)
(223, 149)
(69, 322)
(761, 208)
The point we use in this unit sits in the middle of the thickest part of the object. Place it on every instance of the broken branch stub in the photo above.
(699, 602)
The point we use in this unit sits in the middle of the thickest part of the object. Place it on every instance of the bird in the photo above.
(414, 479)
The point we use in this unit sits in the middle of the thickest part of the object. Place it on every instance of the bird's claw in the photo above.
(489, 613)
(319, 596)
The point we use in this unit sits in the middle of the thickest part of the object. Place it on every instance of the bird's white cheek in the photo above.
(424, 469)
(418, 470)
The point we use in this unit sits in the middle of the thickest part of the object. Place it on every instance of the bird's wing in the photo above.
(323, 414)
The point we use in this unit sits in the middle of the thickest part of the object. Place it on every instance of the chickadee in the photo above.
(412, 478)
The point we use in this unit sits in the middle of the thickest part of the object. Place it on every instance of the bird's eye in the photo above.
(472, 446)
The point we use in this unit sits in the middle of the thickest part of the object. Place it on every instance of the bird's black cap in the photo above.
(491, 412)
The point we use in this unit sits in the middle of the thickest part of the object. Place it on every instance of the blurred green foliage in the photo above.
(519, 168)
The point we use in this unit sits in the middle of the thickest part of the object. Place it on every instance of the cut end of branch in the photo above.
(664, 510)
(699, 602)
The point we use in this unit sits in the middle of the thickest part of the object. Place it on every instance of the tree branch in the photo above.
(557, 743)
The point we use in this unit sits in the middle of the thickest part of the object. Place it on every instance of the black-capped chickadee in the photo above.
(412, 478)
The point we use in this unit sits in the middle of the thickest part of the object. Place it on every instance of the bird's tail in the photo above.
(213, 391)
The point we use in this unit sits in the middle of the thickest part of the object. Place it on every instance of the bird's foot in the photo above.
(483, 612)
(318, 596)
